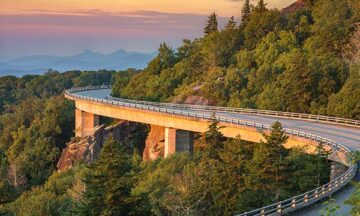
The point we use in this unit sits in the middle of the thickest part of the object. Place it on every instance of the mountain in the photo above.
(87, 60)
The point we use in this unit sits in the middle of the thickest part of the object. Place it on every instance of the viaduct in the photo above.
(341, 136)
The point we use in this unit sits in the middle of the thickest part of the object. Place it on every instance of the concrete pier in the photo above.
(178, 141)
(85, 123)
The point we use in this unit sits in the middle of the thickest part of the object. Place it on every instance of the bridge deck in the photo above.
(348, 136)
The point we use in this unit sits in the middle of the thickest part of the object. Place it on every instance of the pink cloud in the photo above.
(136, 30)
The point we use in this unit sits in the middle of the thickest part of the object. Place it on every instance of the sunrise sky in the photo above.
(66, 27)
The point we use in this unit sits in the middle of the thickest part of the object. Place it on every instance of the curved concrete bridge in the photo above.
(342, 136)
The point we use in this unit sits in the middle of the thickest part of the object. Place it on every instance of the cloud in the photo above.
(103, 19)
(62, 32)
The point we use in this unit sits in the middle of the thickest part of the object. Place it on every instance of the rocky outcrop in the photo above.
(197, 100)
(299, 4)
(88, 148)
(155, 142)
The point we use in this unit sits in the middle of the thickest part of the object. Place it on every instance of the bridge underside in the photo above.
(178, 129)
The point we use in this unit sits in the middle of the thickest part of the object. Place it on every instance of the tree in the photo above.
(266, 169)
(189, 192)
(231, 168)
(156, 184)
(354, 199)
(214, 139)
(109, 184)
(276, 141)
(346, 103)
(261, 6)
(245, 12)
(332, 25)
(321, 163)
(331, 208)
(186, 49)
(259, 25)
(231, 25)
(212, 24)
(167, 56)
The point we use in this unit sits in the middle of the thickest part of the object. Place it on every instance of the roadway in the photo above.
(348, 136)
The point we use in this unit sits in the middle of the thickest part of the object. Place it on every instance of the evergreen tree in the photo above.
(277, 138)
(109, 184)
(231, 168)
(261, 6)
(322, 170)
(167, 56)
(212, 24)
(276, 154)
(231, 25)
(245, 12)
(214, 139)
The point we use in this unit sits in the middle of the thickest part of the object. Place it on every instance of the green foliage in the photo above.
(35, 124)
(273, 60)
(155, 178)
(261, 6)
(56, 197)
(354, 200)
(346, 103)
(109, 185)
(121, 80)
(231, 25)
(332, 24)
(214, 139)
(331, 208)
(259, 25)
(212, 24)
(245, 12)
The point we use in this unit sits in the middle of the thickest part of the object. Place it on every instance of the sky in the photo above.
(67, 27)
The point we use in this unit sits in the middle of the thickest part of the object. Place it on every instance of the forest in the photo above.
(298, 61)
(302, 61)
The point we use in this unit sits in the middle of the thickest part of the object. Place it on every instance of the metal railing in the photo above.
(279, 208)
(302, 116)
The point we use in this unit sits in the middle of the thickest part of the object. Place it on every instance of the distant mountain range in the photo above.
(87, 60)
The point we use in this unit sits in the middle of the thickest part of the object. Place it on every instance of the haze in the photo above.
(65, 27)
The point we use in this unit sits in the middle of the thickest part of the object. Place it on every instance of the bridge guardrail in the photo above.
(320, 118)
(302, 116)
(279, 208)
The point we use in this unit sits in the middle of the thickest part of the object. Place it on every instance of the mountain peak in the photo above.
(87, 51)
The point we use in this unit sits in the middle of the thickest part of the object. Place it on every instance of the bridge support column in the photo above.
(85, 123)
(178, 141)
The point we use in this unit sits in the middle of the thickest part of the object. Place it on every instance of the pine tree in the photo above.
(245, 12)
(323, 171)
(166, 55)
(109, 184)
(231, 168)
(277, 138)
(231, 25)
(212, 24)
(276, 152)
(261, 6)
(214, 139)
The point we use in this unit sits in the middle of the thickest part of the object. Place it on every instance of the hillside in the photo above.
(287, 60)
